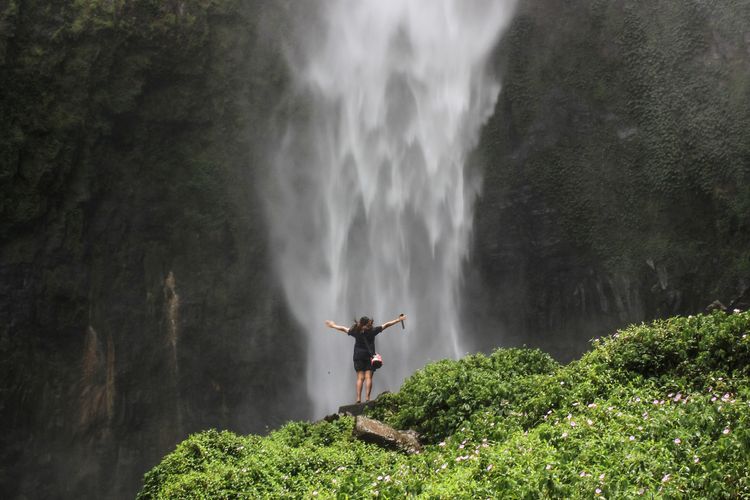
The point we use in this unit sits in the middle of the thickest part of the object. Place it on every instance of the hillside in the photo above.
(655, 409)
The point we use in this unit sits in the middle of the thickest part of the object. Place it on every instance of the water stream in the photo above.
(371, 204)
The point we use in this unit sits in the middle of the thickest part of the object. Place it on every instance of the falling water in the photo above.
(371, 207)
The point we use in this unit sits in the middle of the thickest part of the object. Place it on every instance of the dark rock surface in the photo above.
(356, 408)
(616, 171)
(137, 304)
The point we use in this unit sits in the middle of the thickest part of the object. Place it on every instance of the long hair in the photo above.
(360, 325)
(355, 327)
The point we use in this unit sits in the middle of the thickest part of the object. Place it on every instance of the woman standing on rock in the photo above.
(364, 348)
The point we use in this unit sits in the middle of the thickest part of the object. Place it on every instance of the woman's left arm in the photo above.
(389, 324)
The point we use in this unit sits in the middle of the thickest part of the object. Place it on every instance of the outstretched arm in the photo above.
(392, 322)
(331, 324)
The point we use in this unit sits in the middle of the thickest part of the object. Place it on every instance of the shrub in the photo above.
(654, 410)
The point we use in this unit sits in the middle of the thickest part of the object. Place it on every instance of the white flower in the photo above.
(696, 460)
(641, 491)
(315, 493)
(736, 311)
(489, 467)
(725, 431)
(444, 466)
(601, 477)
(665, 478)
(572, 424)
(589, 421)
(441, 443)
(632, 438)
(582, 474)
(564, 434)
(677, 441)
(549, 467)
(380, 478)
(598, 491)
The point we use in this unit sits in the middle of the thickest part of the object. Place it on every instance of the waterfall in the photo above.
(370, 206)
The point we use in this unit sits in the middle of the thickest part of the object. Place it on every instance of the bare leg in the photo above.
(368, 383)
(360, 379)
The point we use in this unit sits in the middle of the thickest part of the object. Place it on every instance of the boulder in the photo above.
(375, 432)
(355, 409)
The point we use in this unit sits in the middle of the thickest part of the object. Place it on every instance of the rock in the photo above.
(355, 409)
(375, 432)
(716, 306)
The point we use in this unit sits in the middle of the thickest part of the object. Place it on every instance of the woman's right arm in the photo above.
(331, 324)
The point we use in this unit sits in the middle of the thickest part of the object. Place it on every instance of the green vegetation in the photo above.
(654, 410)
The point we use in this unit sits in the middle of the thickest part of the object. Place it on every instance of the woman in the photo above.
(364, 347)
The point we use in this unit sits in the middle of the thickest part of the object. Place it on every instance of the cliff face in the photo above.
(136, 299)
(616, 167)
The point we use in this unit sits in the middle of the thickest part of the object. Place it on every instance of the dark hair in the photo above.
(360, 324)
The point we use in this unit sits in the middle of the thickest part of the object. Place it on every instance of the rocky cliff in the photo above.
(616, 170)
(136, 299)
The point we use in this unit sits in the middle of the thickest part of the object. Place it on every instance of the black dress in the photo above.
(364, 348)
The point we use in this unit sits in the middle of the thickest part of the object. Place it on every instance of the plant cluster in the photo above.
(660, 409)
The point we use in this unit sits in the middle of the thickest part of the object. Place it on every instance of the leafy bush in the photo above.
(438, 398)
(654, 410)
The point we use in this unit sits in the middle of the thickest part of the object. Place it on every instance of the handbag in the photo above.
(376, 360)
